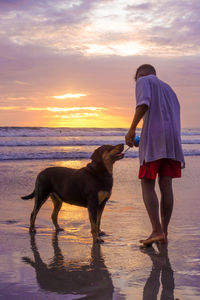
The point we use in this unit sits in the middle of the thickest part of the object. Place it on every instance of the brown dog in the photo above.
(89, 187)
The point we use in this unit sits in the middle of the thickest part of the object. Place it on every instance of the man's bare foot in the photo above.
(154, 238)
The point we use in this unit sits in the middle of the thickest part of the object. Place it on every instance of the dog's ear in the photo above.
(96, 155)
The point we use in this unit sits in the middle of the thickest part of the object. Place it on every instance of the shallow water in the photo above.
(68, 266)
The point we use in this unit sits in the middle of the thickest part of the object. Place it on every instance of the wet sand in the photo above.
(68, 266)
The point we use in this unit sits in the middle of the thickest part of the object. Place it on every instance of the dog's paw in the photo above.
(59, 229)
(101, 233)
(99, 240)
(32, 230)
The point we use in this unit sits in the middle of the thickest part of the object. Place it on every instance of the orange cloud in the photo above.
(69, 96)
(76, 115)
(9, 108)
(65, 109)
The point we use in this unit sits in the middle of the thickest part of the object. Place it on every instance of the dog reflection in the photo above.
(65, 277)
(161, 269)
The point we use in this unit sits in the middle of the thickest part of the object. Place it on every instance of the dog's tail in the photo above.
(28, 196)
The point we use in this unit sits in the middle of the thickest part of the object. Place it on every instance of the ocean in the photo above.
(30, 143)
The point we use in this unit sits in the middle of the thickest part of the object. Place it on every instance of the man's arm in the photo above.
(139, 113)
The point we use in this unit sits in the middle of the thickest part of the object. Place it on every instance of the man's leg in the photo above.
(167, 201)
(152, 207)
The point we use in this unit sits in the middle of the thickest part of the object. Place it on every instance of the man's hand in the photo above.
(129, 137)
(139, 113)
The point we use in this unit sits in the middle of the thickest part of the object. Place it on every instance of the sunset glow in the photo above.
(72, 63)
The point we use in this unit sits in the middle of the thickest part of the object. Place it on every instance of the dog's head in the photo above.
(108, 155)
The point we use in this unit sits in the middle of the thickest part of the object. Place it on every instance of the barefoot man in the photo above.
(160, 150)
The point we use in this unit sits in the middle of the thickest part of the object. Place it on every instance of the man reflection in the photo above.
(161, 269)
(63, 277)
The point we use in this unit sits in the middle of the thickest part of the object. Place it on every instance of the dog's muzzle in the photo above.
(119, 154)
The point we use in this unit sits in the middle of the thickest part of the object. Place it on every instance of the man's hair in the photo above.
(149, 68)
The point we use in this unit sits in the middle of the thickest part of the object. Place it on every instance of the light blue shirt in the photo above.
(161, 135)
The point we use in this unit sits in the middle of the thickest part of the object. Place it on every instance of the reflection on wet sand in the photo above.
(63, 277)
(161, 270)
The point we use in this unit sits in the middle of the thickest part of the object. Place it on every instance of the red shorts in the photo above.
(162, 167)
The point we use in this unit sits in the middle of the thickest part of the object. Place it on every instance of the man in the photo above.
(160, 150)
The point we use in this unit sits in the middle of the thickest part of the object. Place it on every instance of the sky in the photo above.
(71, 63)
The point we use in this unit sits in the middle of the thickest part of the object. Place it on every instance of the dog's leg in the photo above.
(57, 206)
(41, 196)
(94, 224)
(103, 196)
(38, 205)
(99, 214)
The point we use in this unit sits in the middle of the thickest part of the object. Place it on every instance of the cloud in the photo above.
(21, 82)
(76, 115)
(65, 109)
(140, 6)
(169, 27)
(9, 107)
(69, 96)
(53, 109)
(104, 27)
(55, 25)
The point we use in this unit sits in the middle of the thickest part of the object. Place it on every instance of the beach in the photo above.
(68, 266)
